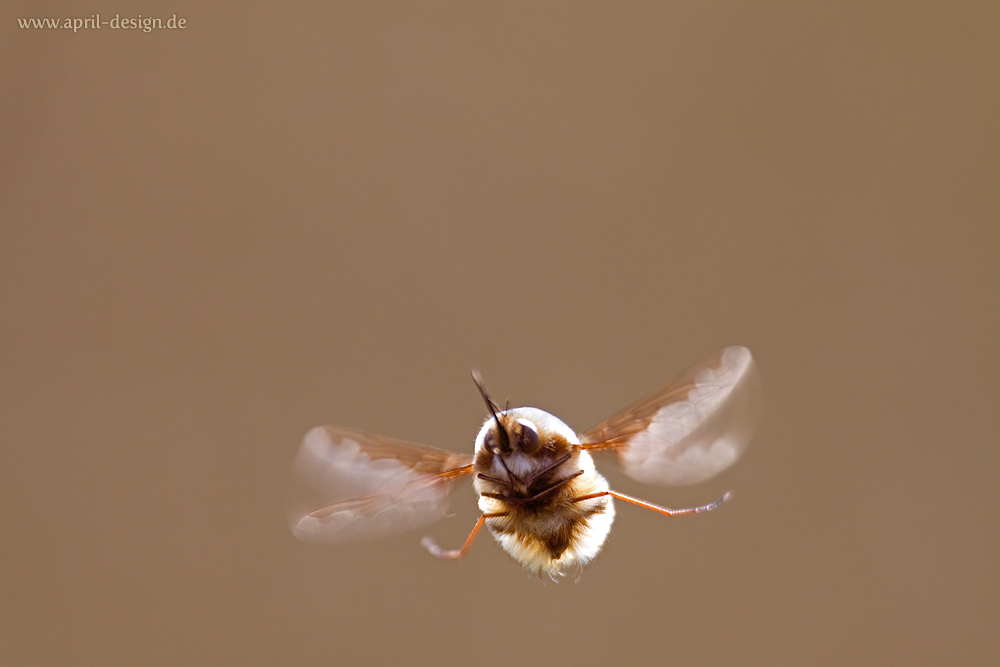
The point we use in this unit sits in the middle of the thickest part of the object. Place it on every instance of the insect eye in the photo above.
(496, 444)
(527, 436)
(490, 441)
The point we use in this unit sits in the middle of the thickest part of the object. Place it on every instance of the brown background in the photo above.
(214, 239)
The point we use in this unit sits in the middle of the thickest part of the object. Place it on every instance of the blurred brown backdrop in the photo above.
(213, 239)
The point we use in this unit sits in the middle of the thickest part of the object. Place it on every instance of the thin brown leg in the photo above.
(435, 550)
(655, 508)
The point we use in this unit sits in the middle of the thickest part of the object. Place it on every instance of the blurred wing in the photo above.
(352, 485)
(695, 427)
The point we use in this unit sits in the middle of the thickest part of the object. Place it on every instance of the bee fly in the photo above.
(539, 492)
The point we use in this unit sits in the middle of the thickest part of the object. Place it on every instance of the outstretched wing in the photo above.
(351, 485)
(691, 429)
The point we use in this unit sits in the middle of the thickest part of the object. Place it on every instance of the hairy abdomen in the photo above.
(560, 535)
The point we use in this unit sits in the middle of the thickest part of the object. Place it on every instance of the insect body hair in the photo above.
(539, 505)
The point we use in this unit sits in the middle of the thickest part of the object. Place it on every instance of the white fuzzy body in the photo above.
(579, 528)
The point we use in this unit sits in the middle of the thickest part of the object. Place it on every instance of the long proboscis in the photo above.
(501, 429)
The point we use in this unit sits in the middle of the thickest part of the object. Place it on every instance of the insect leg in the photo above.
(435, 550)
(547, 469)
(656, 508)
